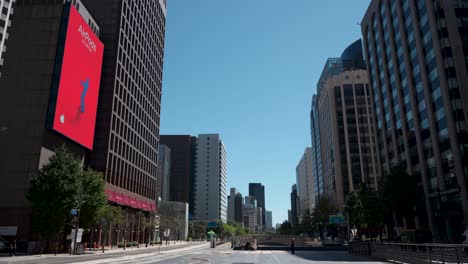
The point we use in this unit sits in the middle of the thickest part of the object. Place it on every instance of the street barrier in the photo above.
(411, 253)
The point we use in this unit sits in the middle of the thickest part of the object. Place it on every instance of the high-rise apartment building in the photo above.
(127, 124)
(37, 48)
(305, 184)
(163, 178)
(416, 53)
(257, 190)
(294, 205)
(6, 13)
(210, 179)
(183, 162)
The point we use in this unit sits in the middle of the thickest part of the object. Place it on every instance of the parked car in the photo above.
(4, 245)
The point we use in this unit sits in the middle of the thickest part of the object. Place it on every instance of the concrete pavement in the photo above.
(104, 257)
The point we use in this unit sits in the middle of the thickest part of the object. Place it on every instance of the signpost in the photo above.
(336, 219)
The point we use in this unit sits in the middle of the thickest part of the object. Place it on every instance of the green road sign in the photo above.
(336, 219)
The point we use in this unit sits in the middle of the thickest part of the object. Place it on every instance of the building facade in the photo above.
(305, 184)
(416, 54)
(349, 114)
(210, 179)
(127, 124)
(164, 173)
(6, 13)
(316, 151)
(26, 143)
(257, 190)
(268, 220)
(294, 205)
(183, 163)
(235, 206)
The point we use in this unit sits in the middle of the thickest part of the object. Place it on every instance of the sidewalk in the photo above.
(171, 248)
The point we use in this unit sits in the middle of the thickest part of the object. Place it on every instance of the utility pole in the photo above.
(77, 215)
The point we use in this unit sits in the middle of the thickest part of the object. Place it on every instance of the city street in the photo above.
(200, 254)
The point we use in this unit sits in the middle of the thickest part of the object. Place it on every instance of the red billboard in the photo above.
(78, 88)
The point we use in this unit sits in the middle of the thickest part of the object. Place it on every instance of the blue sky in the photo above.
(247, 69)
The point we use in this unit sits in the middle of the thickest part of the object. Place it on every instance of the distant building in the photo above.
(290, 216)
(316, 150)
(6, 12)
(269, 220)
(210, 179)
(294, 206)
(183, 160)
(305, 184)
(257, 190)
(164, 173)
(252, 214)
(235, 206)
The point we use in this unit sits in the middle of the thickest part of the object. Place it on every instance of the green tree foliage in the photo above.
(109, 214)
(364, 208)
(400, 191)
(93, 196)
(285, 228)
(60, 186)
(53, 193)
(353, 209)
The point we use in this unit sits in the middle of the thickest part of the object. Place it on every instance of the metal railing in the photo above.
(412, 253)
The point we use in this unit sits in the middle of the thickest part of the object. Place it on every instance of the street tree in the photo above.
(52, 194)
(60, 186)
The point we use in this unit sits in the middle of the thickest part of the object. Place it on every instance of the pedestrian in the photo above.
(292, 245)
(13, 248)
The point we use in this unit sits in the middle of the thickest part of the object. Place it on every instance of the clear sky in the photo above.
(247, 69)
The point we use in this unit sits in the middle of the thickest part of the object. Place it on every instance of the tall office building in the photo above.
(163, 178)
(35, 110)
(417, 61)
(252, 214)
(238, 208)
(346, 108)
(257, 190)
(183, 163)
(127, 124)
(305, 184)
(231, 201)
(268, 220)
(6, 13)
(316, 151)
(210, 179)
(235, 206)
(294, 205)
(346, 127)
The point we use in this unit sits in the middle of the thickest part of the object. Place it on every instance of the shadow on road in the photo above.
(331, 256)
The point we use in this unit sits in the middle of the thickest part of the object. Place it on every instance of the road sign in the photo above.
(80, 235)
(212, 224)
(336, 219)
(74, 211)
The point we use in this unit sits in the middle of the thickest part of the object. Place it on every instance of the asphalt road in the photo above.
(202, 254)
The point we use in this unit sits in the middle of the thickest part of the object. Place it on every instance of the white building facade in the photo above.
(210, 199)
(305, 184)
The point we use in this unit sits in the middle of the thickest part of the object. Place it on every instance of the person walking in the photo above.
(292, 245)
(13, 248)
